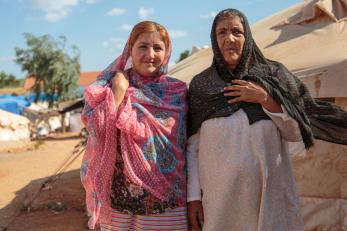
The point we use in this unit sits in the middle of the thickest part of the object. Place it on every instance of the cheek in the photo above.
(219, 43)
(136, 56)
(160, 58)
(242, 43)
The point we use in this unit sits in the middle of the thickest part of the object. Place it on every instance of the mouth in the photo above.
(230, 49)
(150, 63)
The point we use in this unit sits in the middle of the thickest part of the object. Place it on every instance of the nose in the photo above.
(150, 52)
(231, 37)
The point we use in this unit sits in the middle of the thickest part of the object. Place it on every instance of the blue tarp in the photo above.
(15, 104)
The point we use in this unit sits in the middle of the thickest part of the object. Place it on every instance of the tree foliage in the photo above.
(56, 72)
(8, 80)
(183, 55)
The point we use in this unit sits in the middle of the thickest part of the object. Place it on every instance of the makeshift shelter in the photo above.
(310, 38)
(14, 104)
(13, 127)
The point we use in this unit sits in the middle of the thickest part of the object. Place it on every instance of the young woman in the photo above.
(134, 167)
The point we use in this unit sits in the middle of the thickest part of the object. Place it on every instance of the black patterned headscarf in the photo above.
(315, 118)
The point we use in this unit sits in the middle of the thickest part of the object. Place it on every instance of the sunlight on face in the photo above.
(230, 38)
(148, 53)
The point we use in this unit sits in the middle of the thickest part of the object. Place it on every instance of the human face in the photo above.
(148, 53)
(230, 38)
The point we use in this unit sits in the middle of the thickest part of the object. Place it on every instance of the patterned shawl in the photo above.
(151, 126)
(316, 118)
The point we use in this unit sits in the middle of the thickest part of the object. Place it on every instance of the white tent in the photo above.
(310, 38)
(13, 127)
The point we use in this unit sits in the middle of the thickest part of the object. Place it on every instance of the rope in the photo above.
(48, 184)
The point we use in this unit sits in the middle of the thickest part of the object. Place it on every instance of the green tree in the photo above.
(56, 72)
(183, 55)
(8, 80)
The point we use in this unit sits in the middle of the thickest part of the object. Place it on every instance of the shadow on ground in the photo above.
(60, 207)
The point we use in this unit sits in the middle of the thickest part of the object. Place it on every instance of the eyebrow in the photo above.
(145, 43)
(234, 27)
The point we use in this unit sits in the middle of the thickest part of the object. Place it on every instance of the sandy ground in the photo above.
(22, 172)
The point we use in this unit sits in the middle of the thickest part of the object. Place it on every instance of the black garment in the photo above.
(206, 100)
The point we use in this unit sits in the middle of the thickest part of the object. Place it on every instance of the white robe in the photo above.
(244, 173)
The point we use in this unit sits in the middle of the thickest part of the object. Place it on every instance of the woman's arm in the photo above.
(120, 84)
(288, 127)
(194, 189)
(245, 91)
(195, 209)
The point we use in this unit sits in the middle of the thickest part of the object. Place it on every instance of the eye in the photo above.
(143, 46)
(158, 48)
(221, 32)
(238, 32)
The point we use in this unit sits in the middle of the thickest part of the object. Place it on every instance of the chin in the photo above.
(148, 73)
(231, 61)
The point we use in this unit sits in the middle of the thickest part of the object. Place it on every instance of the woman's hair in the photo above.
(148, 27)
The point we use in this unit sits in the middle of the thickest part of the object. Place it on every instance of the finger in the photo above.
(194, 222)
(201, 217)
(232, 93)
(233, 88)
(240, 82)
(235, 100)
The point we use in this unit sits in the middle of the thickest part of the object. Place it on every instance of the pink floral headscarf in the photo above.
(150, 124)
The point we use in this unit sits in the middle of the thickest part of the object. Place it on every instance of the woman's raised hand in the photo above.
(120, 84)
(245, 91)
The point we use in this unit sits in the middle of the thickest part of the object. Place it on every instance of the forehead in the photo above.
(150, 37)
(229, 22)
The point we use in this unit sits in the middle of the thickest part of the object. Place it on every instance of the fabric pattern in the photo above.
(171, 220)
(151, 125)
(129, 198)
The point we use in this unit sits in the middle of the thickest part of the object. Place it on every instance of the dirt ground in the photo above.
(23, 171)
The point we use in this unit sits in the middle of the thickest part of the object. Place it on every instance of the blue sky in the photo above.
(99, 28)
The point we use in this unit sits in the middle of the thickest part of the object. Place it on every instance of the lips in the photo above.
(230, 49)
(149, 62)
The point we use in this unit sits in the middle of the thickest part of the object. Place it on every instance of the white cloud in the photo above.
(114, 43)
(211, 14)
(55, 10)
(115, 11)
(127, 27)
(177, 33)
(145, 13)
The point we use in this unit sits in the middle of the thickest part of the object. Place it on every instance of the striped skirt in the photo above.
(173, 220)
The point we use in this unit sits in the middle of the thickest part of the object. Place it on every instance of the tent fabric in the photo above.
(315, 51)
(16, 104)
(335, 10)
(13, 127)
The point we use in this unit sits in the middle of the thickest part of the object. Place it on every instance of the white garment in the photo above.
(244, 173)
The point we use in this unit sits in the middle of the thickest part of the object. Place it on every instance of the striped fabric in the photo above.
(173, 220)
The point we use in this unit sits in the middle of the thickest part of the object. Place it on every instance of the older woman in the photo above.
(242, 110)
(134, 166)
